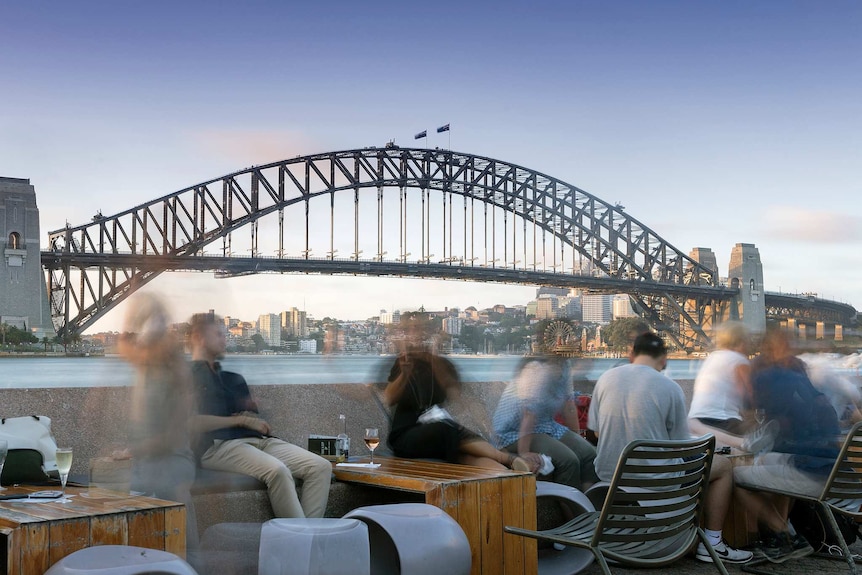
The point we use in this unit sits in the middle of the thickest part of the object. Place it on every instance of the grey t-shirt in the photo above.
(634, 402)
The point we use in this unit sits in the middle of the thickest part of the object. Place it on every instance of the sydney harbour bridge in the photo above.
(424, 213)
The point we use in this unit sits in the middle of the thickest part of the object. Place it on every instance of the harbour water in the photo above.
(111, 371)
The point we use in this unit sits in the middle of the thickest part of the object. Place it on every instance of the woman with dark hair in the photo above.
(419, 383)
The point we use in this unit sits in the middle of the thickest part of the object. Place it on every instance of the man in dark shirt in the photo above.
(234, 438)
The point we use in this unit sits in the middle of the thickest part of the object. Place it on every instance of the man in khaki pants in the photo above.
(234, 438)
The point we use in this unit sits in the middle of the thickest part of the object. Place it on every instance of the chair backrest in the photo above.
(656, 494)
(845, 480)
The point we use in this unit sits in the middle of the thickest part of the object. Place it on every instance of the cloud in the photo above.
(819, 226)
(252, 147)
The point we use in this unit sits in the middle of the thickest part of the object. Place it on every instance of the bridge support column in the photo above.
(820, 330)
(746, 274)
(23, 289)
(839, 332)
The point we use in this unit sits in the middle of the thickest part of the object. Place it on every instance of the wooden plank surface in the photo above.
(468, 519)
(175, 531)
(109, 530)
(67, 536)
(147, 529)
(490, 499)
(38, 534)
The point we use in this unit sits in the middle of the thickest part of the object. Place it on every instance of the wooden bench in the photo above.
(482, 501)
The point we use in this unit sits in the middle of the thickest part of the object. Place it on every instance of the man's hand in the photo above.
(534, 460)
(250, 421)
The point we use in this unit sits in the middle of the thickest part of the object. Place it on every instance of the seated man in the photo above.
(636, 401)
(234, 438)
(524, 422)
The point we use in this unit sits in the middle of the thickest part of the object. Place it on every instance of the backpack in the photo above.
(809, 521)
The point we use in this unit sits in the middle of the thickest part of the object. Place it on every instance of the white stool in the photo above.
(120, 560)
(314, 547)
(570, 560)
(414, 539)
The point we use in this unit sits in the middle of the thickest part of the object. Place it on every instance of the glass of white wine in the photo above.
(372, 440)
(4, 449)
(64, 465)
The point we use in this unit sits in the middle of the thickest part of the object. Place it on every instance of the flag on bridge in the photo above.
(420, 135)
(443, 129)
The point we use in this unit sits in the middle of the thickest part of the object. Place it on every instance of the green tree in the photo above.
(259, 343)
(620, 333)
(472, 337)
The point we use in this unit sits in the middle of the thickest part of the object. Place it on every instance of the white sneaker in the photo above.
(762, 438)
(725, 552)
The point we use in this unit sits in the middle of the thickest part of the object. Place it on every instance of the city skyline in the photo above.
(712, 124)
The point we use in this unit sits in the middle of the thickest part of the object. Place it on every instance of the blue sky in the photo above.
(712, 122)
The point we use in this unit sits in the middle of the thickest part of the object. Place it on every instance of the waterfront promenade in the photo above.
(92, 421)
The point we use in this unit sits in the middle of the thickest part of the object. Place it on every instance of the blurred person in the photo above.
(235, 438)
(807, 442)
(419, 384)
(843, 394)
(161, 408)
(524, 421)
(636, 401)
(722, 388)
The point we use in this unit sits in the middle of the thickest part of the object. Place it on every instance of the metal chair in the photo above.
(654, 526)
(842, 492)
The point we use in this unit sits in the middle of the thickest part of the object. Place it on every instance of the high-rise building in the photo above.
(547, 307)
(295, 322)
(596, 308)
(622, 307)
(387, 318)
(453, 325)
(23, 289)
(269, 328)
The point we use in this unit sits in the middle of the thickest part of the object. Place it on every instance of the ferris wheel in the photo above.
(559, 335)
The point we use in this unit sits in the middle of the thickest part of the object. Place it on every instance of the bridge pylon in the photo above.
(745, 273)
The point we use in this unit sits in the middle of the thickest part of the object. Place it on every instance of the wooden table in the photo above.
(37, 535)
(482, 501)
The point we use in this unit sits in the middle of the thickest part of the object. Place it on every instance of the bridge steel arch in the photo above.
(96, 265)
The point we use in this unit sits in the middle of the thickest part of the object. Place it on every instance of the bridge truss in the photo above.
(385, 211)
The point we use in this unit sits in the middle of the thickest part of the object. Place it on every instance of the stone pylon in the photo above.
(23, 289)
(745, 272)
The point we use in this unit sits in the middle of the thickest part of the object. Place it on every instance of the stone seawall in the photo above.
(93, 420)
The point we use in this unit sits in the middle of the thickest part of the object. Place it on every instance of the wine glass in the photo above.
(4, 449)
(372, 440)
(64, 465)
(760, 417)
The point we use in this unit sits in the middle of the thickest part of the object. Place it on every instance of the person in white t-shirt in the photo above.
(722, 388)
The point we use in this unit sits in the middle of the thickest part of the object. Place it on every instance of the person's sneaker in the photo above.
(801, 546)
(725, 552)
(780, 547)
(762, 438)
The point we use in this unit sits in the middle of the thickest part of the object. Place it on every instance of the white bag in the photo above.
(32, 448)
